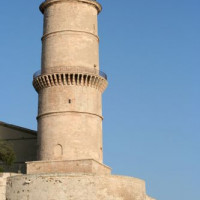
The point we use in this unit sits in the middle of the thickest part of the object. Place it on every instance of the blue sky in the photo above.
(150, 52)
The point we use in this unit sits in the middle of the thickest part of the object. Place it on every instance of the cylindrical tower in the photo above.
(70, 88)
(70, 85)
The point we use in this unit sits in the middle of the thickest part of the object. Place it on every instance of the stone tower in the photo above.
(70, 86)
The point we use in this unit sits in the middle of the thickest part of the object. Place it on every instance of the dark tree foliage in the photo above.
(7, 154)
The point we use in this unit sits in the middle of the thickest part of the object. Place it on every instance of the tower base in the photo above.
(68, 166)
(75, 187)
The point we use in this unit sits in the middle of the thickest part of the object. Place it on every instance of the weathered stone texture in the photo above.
(3, 180)
(70, 34)
(68, 166)
(70, 115)
(75, 187)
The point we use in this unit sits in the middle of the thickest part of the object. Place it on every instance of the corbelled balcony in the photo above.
(80, 76)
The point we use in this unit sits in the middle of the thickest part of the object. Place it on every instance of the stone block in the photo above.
(67, 166)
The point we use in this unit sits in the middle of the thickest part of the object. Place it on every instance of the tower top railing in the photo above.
(65, 69)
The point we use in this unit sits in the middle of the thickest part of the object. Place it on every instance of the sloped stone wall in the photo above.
(75, 187)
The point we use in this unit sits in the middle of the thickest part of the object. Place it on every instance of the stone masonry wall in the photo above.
(3, 179)
(75, 187)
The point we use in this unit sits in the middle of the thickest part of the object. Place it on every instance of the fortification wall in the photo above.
(3, 180)
(75, 187)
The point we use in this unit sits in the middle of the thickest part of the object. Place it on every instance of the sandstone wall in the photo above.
(70, 35)
(75, 187)
(3, 179)
(70, 85)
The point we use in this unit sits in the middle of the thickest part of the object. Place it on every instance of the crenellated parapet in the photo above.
(70, 76)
